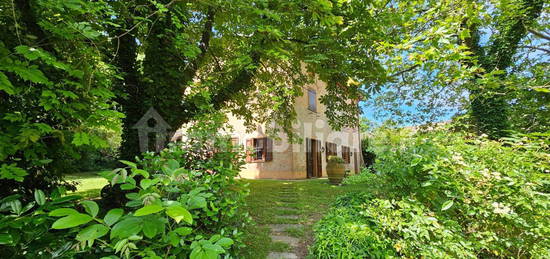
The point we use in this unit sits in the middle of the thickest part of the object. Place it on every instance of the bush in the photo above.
(364, 177)
(25, 227)
(181, 203)
(447, 195)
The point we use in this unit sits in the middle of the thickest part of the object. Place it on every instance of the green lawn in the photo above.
(89, 184)
(312, 200)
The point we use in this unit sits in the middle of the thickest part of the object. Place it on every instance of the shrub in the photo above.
(364, 177)
(181, 203)
(448, 195)
(168, 214)
(25, 227)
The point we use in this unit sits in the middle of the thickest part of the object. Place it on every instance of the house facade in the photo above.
(277, 158)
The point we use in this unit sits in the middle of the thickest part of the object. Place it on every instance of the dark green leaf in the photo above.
(113, 216)
(90, 207)
(127, 227)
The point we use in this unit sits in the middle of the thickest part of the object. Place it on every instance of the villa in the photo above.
(269, 158)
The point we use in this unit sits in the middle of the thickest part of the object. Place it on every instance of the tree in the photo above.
(511, 21)
(244, 56)
(456, 56)
(53, 88)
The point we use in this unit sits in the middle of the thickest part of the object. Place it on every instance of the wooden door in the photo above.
(313, 158)
(309, 159)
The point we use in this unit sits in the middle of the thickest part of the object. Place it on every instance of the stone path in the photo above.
(279, 232)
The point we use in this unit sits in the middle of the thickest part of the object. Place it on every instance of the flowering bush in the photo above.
(447, 195)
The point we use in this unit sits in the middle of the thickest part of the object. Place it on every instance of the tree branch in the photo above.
(539, 34)
(405, 71)
(146, 18)
(535, 48)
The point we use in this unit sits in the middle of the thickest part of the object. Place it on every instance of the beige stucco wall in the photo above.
(289, 160)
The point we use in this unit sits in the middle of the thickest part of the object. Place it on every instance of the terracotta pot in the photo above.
(335, 172)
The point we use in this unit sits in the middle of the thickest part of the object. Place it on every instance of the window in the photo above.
(346, 154)
(312, 100)
(259, 150)
(331, 149)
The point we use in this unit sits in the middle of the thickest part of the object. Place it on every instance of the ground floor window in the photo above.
(259, 150)
(331, 149)
(346, 154)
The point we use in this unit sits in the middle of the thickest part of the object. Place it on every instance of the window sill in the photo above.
(256, 161)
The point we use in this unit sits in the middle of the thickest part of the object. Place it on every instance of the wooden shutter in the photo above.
(249, 148)
(346, 154)
(319, 172)
(268, 149)
(327, 150)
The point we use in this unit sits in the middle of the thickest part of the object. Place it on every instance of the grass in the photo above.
(89, 184)
(310, 198)
(296, 232)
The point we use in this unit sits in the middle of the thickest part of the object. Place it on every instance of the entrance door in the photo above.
(313, 158)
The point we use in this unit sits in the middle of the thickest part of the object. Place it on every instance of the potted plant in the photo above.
(335, 169)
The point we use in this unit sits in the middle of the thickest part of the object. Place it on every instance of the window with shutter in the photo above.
(331, 149)
(268, 149)
(346, 154)
(259, 150)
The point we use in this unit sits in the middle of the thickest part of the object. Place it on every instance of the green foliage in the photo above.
(335, 160)
(445, 195)
(54, 86)
(169, 207)
(462, 56)
(186, 65)
(25, 226)
(182, 203)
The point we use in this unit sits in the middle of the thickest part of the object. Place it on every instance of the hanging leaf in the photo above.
(39, 197)
(5, 84)
(179, 213)
(447, 205)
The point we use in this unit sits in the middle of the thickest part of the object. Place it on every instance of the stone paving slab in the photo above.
(288, 209)
(291, 241)
(287, 216)
(278, 255)
(283, 227)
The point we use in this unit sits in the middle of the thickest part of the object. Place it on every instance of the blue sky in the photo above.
(377, 116)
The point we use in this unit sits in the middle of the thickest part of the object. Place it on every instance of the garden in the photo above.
(116, 142)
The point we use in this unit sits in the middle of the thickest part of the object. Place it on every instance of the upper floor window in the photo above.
(312, 100)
